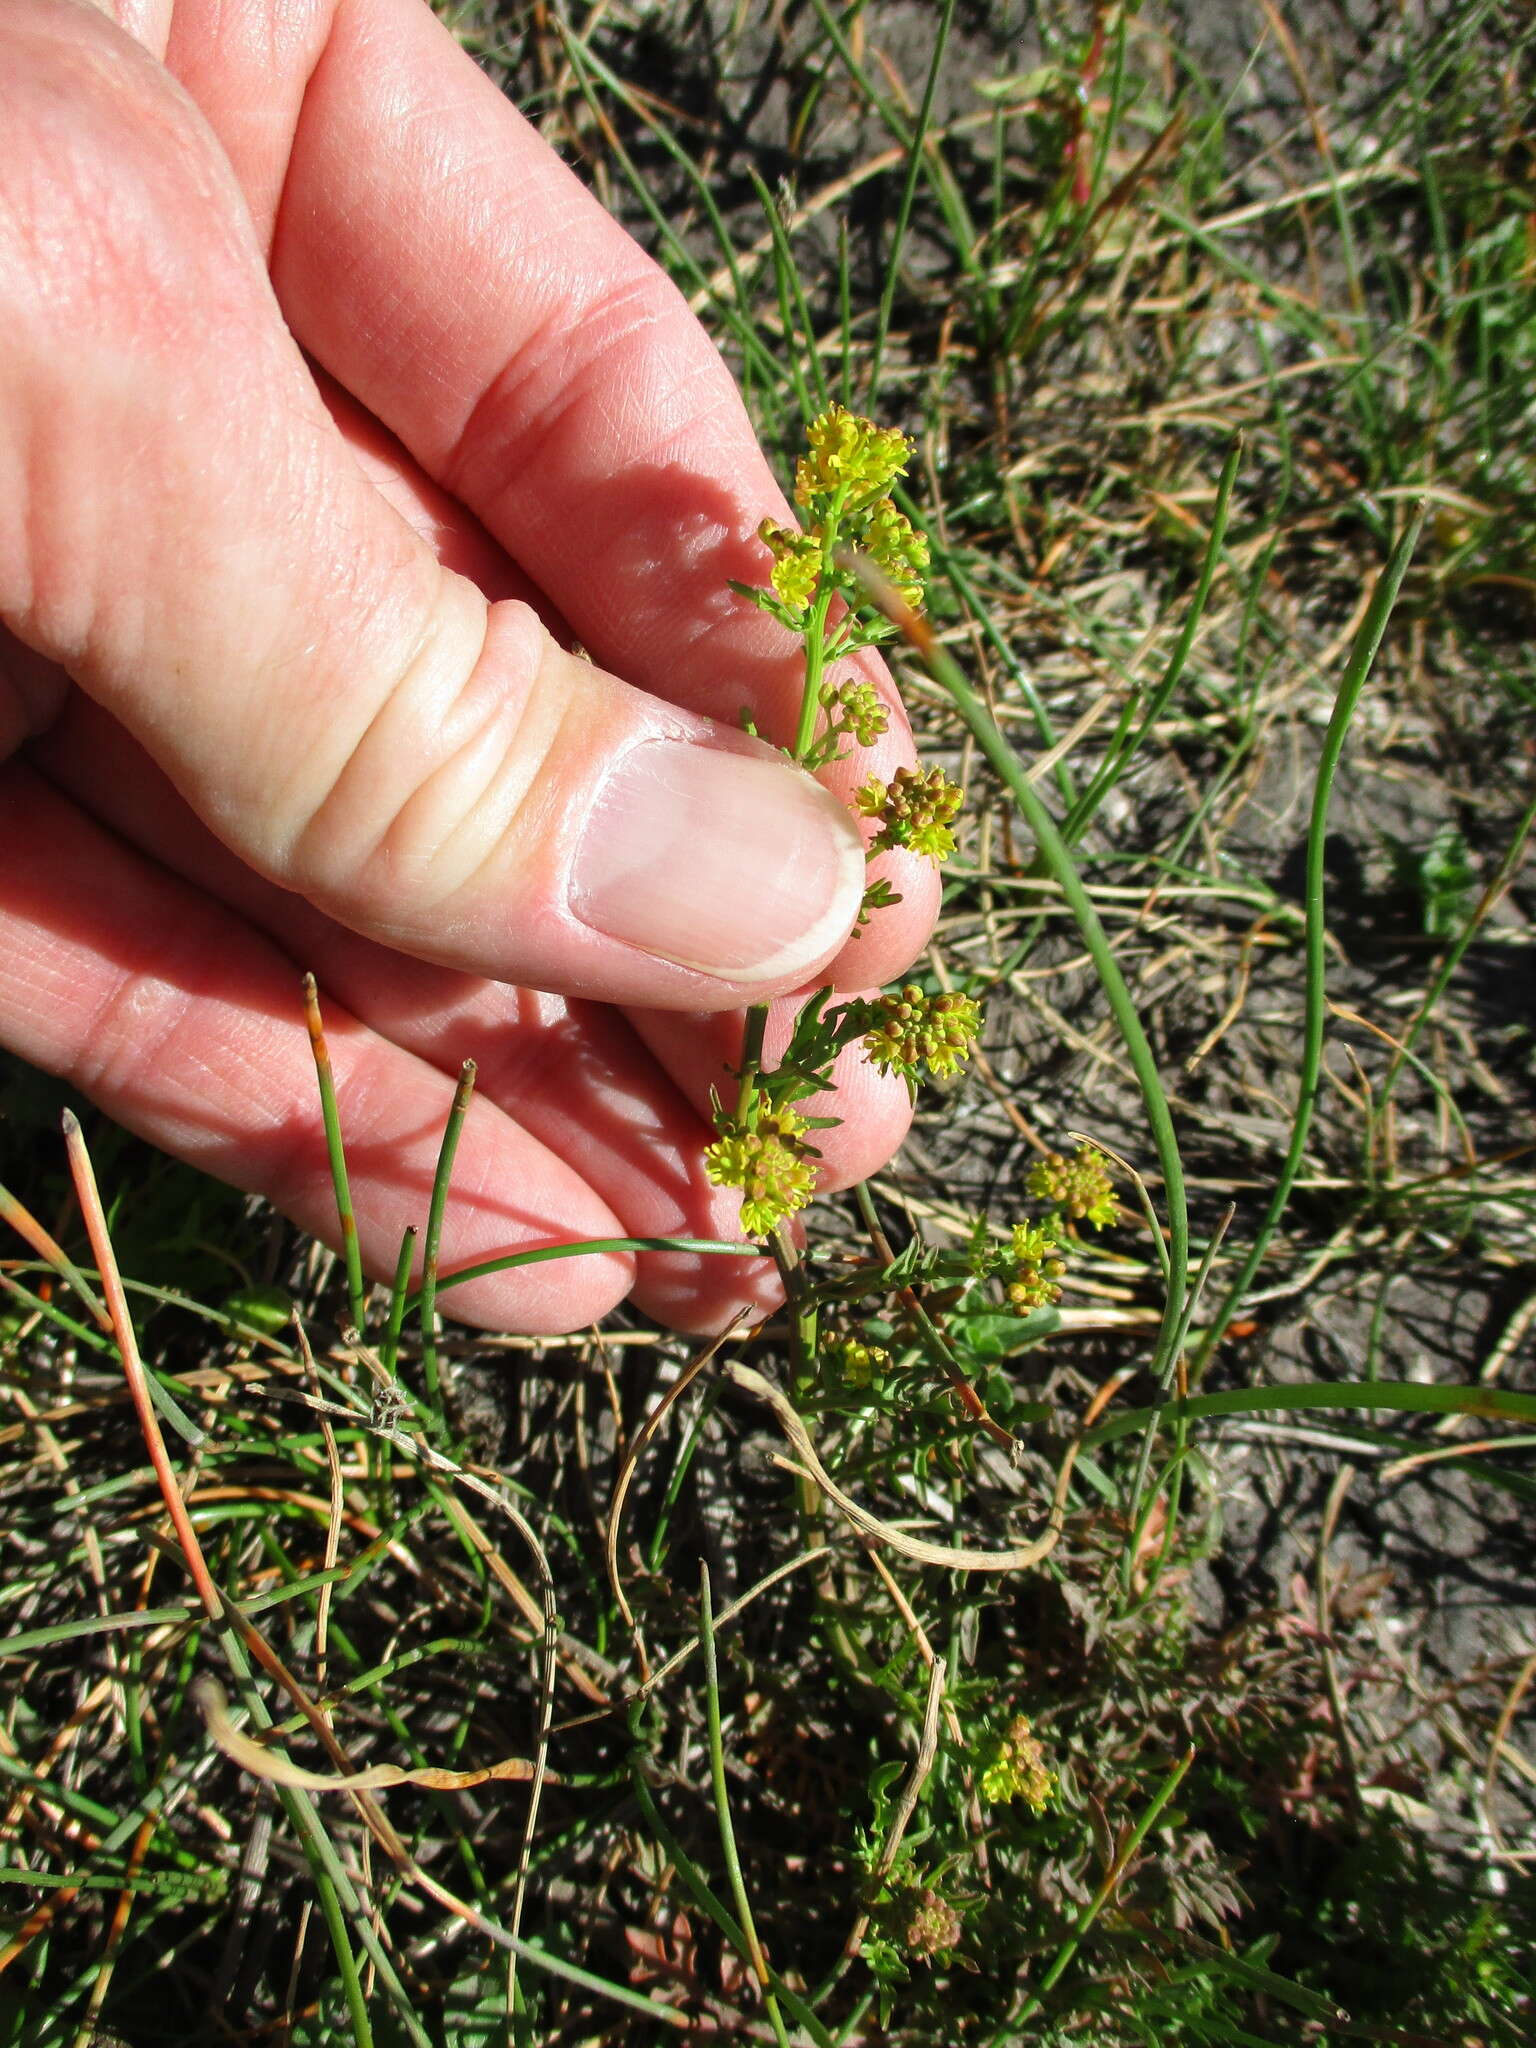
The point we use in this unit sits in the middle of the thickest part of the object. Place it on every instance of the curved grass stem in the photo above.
(1059, 864)
(1362, 658)
(346, 1216)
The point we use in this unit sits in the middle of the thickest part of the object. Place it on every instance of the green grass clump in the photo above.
(1205, 1282)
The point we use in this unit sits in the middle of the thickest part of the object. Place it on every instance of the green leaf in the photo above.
(993, 1334)
(266, 1309)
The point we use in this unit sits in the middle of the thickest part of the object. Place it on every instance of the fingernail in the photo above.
(728, 863)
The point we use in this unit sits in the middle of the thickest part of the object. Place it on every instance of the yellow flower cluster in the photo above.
(1037, 1269)
(797, 563)
(894, 544)
(1018, 1769)
(770, 1162)
(1079, 1187)
(909, 1030)
(841, 486)
(855, 708)
(849, 454)
(855, 1362)
(915, 809)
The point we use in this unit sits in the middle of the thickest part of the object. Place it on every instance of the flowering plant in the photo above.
(820, 586)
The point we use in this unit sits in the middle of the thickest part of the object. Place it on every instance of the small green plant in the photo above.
(1437, 881)
(822, 586)
(1018, 1769)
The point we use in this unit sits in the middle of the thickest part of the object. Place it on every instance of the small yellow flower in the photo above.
(855, 1362)
(770, 1162)
(1018, 1769)
(855, 708)
(847, 453)
(915, 809)
(1036, 1267)
(797, 563)
(910, 1030)
(1079, 1187)
(894, 544)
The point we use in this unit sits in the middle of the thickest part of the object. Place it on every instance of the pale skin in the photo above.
(333, 410)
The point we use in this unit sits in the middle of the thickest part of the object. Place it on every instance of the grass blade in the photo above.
(1059, 864)
(336, 1152)
(427, 1296)
(1368, 639)
(1107, 1888)
(738, 1883)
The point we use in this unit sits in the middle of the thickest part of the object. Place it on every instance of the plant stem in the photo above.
(1058, 863)
(1106, 1890)
(816, 637)
(757, 1961)
(432, 1244)
(1362, 658)
(751, 1055)
(346, 1216)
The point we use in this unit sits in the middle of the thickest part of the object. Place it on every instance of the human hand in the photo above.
(286, 682)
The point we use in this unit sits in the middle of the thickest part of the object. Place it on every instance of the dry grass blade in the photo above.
(91, 1210)
(213, 1704)
(48, 1248)
(1016, 1557)
(621, 1485)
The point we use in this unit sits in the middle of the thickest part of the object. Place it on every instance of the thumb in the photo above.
(183, 531)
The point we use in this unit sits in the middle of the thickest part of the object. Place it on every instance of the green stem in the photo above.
(1362, 658)
(816, 633)
(694, 1883)
(815, 663)
(751, 1056)
(1140, 1513)
(346, 1216)
(589, 1247)
(346, 1963)
(1487, 1403)
(1058, 863)
(757, 1961)
(434, 1240)
(1105, 1892)
(339, 1900)
(389, 1349)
